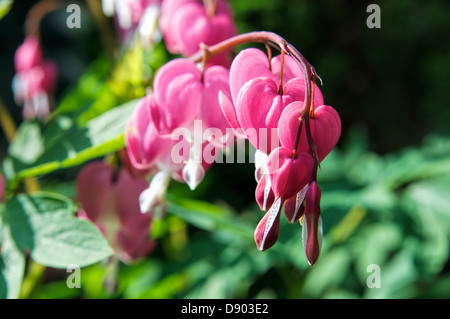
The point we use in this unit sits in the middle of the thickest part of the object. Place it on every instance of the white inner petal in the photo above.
(273, 212)
(260, 164)
(149, 27)
(155, 192)
(193, 173)
(123, 12)
(298, 202)
(108, 7)
(267, 186)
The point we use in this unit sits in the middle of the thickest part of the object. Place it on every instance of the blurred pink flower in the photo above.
(135, 15)
(185, 24)
(110, 199)
(35, 80)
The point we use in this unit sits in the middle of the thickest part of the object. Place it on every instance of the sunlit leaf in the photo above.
(45, 226)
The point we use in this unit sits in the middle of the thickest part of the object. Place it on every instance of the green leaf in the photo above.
(208, 216)
(67, 144)
(45, 225)
(5, 6)
(12, 266)
(27, 145)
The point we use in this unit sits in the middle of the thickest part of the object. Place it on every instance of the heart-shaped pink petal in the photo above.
(190, 19)
(215, 80)
(249, 64)
(145, 147)
(289, 175)
(325, 129)
(178, 95)
(258, 109)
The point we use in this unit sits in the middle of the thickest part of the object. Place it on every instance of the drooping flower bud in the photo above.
(312, 224)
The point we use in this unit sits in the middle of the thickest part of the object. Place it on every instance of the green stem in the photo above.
(32, 280)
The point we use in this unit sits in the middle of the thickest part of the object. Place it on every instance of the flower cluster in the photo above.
(162, 133)
(167, 134)
(272, 102)
(268, 107)
(34, 81)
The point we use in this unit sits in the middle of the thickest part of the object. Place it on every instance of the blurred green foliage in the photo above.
(384, 187)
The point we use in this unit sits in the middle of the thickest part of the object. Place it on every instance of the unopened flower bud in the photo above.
(312, 224)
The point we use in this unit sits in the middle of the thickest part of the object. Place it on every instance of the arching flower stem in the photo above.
(276, 41)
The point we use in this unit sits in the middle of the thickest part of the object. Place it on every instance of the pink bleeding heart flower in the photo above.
(145, 147)
(186, 24)
(177, 95)
(110, 200)
(325, 127)
(260, 94)
(35, 80)
(312, 224)
(288, 176)
(183, 97)
(28, 54)
(148, 151)
(183, 94)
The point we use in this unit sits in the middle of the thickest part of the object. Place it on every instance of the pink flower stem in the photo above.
(274, 40)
